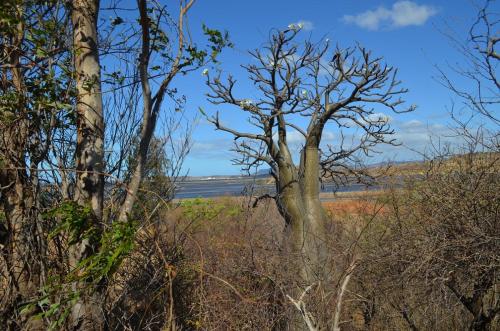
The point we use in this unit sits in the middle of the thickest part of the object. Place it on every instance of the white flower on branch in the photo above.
(246, 103)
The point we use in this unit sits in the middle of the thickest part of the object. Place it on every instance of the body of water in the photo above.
(209, 188)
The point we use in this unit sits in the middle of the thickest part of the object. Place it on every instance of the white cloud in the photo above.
(417, 137)
(370, 19)
(218, 148)
(406, 13)
(293, 137)
(411, 124)
(403, 13)
(328, 136)
(413, 136)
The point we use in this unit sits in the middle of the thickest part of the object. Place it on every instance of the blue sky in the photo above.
(406, 33)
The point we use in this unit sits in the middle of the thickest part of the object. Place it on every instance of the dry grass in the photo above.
(218, 264)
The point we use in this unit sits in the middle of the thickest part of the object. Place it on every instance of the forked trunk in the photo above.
(305, 235)
(305, 217)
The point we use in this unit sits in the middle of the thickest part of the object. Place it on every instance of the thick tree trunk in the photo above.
(482, 319)
(299, 204)
(305, 217)
(305, 235)
(316, 216)
(86, 314)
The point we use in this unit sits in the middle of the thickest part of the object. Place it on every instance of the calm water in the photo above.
(237, 187)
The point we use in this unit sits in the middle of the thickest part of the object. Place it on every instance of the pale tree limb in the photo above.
(301, 307)
(340, 295)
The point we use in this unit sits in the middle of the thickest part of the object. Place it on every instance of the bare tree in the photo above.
(480, 64)
(442, 252)
(476, 174)
(296, 82)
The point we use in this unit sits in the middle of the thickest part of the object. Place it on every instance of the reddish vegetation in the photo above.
(354, 207)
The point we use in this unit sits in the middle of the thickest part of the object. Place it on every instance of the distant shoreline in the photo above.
(234, 187)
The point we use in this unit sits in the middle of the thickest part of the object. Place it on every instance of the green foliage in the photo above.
(8, 102)
(217, 41)
(75, 220)
(57, 312)
(115, 77)
(114, 244)
(159, 38)
(200, 209)
(208, 209)
(8, 17)
(39, 102)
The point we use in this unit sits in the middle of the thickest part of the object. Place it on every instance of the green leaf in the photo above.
(27, 308)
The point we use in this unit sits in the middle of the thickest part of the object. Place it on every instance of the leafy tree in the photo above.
(55, 91)
(187, 57)
(36, 94)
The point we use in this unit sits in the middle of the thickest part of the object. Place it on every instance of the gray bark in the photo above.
(86, 314)
(299, 204)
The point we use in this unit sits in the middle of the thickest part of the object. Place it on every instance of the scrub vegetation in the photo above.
(93, 136)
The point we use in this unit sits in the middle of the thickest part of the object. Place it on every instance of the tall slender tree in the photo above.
(89, 189)
(186, 57)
